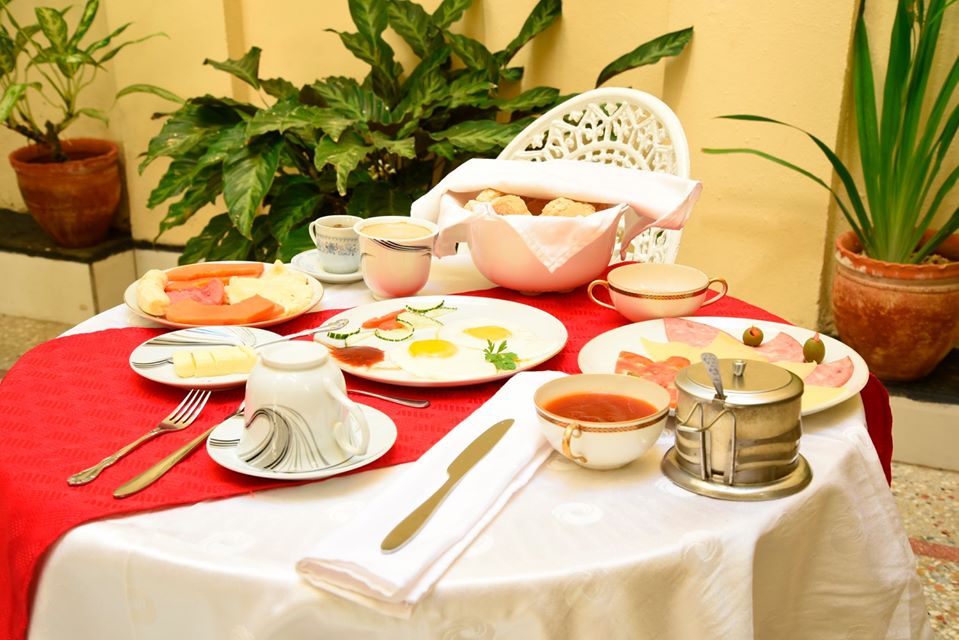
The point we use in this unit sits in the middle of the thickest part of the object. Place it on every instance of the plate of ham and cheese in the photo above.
(658, 349)
(237, 293)
(225, 360)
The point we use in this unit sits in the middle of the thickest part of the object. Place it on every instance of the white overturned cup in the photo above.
(297, 414)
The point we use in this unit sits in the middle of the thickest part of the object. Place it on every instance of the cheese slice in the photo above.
(222, 361)
(801, 369)
(815, 396)
(723, 346)
(282, 285)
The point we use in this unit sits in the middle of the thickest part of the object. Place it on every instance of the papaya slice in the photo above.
(254, 309)
(214, 270)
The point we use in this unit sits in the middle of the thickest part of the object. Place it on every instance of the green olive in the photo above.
(753, 337)
(814, 350)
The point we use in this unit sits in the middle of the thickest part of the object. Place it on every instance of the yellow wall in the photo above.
(766, 230)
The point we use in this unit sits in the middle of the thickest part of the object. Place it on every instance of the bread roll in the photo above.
(567, 208)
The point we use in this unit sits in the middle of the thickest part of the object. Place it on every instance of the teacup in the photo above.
(582, 435)
(337, 245)
(395, 254)
(298, 417)
(648, 290)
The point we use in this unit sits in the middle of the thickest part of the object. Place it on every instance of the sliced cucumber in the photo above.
(417, 320)
(356, 337)
(413, 309)
(439, 312)
(341, 336)
(394, 335)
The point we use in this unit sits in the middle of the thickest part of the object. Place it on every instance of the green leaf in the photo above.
(469, 89)
(544, 14)
(480, 136)
(405, 148)
(247, 176)
(449, 12)
(378, 199)
(353, 101)
(11, 96)
(178, 176)
(762, 154)
(296, 242)
(423, 95)
(369, 16)
(109, 55)
(670, 44)
(246, 68)
(99, 44)
(89, 13)
(220, 242)
(864, 100)
(529, 100)
(190, 126)
(223, 144)
(8, 53)
(151, 89)
(344, 155)
(54, 27)
(512, 74)
(94, 113)
(279, 88)
(474, 54)
(286, 115)
(295, 201)
(202, 191)
(413, 24)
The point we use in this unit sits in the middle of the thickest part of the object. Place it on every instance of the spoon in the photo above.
(332, 326)
(409, 402)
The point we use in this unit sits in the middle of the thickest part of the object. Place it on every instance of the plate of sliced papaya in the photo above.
(237, 293)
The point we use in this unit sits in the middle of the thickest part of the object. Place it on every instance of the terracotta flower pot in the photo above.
(73, 201)
(903, 319)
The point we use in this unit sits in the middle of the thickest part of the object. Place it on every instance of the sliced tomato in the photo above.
(386, 322)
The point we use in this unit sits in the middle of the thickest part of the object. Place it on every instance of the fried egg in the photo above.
(476, 333)
(438, 359)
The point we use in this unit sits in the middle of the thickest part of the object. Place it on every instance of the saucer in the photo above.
(309, 262)
(382, 437)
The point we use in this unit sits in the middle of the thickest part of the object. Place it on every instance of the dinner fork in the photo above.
(180, 418)
(331, 326)
(396, 246)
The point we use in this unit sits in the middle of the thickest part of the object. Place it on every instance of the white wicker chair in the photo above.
(624, 127)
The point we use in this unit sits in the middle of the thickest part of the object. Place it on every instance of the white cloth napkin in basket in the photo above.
(655, 199)
(350, 563)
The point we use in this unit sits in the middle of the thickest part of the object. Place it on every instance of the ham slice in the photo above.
(211, 292)
(695, 334)
(831, 374)
(782, 348)
(661, 373)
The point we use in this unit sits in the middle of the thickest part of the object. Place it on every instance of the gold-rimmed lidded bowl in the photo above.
(645, 291)
(601, 444)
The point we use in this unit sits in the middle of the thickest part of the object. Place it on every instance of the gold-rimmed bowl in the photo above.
(602, 445)
(648, 290)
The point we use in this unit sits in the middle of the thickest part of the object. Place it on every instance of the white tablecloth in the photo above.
(576, 554)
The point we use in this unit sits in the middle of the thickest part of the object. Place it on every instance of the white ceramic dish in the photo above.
(546, 328)
(599, 354)
(309, 263)
(164, 373)
(130, 298)
(382, 437)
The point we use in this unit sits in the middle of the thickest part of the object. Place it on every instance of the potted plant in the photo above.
(71, 187)
(339, 145)
(895, 297)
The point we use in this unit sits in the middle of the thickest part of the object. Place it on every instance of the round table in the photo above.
(575, 554)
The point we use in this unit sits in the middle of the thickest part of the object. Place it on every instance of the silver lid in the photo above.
(746, 383)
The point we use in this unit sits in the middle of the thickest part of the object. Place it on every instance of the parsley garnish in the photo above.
(502, 361)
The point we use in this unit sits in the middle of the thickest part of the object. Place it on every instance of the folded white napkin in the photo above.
(350, 563)
(655, 199)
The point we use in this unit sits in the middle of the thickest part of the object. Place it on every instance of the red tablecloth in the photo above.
(71, 401)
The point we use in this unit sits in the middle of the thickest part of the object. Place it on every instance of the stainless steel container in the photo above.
(738, 437)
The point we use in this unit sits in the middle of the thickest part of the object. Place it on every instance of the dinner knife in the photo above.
(465, 461)
(151, 475)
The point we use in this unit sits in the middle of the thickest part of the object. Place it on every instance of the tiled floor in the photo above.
(928, 499)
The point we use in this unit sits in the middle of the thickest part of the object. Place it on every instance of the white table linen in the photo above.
(574, 554)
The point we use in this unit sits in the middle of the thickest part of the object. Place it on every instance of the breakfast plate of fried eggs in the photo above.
(443, 341)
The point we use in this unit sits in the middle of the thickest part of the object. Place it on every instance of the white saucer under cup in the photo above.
(309, 263)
